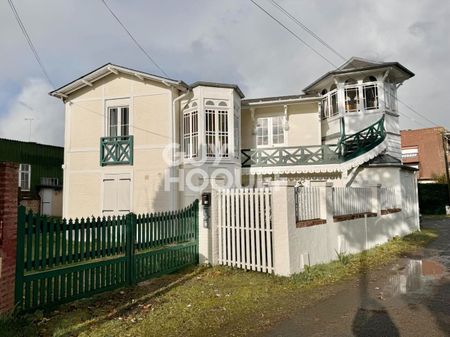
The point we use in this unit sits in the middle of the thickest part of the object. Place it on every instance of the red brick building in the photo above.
(425, 149)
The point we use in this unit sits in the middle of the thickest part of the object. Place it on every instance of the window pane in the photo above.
(351, 99)
(112, 122)
(370, 97)
(124, 119)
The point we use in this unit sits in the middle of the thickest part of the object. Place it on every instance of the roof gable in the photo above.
(108, 69)
(357, 63)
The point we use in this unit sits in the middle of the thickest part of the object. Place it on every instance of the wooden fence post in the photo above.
(130, 244)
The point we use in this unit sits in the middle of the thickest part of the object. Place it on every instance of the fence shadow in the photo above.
(77, 317)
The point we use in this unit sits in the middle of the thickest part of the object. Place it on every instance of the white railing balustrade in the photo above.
(388, 198)
(352, 200)
(308, 203)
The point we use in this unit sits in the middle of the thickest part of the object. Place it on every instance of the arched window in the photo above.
(222, 103)
(333, 87)
(351, 96)
(194, 104)
(324, 92)
(370, 79)
(209, 103)
(370, 92)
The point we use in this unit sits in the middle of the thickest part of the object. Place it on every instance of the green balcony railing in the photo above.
(292, 155)
(347, 148)
(116, 150)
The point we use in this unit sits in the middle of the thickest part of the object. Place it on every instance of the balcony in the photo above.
(293, 155)
(116, 150)
(348, 147)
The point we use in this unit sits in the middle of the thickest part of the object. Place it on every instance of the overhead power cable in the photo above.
(309, 31)
(152, 60)
(323, 42)
(293, 33)
(30, 42)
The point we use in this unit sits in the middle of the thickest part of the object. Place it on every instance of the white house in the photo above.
(141, 143)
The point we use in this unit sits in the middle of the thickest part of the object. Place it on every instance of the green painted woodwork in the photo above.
(347, 148)
(116, 150)
(356, 144)
(46, 160)
(60, 261)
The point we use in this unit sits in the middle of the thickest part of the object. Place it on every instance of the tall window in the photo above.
(370, 92)
(190, 134)
(118, 121)
(351, 96)
(216, 131)
(329, 106)
(270, 131)
(237, 135)
(24, 176)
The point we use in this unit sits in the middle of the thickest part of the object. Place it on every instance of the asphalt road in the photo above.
(408, 298)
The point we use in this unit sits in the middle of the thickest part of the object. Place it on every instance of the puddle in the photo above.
(416, 278)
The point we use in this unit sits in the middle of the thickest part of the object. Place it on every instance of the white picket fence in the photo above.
(388, 198)
(352, 200)
(245, 235)
(307, 203)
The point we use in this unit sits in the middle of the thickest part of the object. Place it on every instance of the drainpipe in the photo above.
(174, 194)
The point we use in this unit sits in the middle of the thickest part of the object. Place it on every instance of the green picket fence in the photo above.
(59, 260)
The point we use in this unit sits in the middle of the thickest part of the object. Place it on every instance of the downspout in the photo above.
(174, 194)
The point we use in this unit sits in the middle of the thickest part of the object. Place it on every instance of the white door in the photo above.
(116, 194)
(46, 201)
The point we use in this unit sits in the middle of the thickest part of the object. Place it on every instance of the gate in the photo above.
(245, 231)
(60, 261)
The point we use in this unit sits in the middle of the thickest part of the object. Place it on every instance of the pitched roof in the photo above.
(109, 68)
(361, 64)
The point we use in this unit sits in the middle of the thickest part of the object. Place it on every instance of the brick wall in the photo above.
(431, 158)
(8, 220)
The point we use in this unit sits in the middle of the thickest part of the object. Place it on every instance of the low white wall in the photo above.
(322, 243)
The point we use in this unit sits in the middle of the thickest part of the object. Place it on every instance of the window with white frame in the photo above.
(216, 130)
(351, 92)
(25, 177)
(270, 131)
(190, 133)
(370, 93)
(329, 107)
(237, 136)
(118, 121)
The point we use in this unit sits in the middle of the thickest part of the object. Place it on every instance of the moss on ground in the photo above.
(207, 302)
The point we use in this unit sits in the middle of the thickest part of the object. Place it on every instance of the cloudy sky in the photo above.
(217, 40)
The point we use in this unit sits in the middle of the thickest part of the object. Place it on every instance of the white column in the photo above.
(283, 222)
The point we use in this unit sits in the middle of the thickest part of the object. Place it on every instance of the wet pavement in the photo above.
(408, 298)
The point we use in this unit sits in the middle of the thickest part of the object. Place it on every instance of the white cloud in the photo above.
(233, 41)
(47, 114)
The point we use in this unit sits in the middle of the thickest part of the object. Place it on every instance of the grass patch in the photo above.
(214, 302)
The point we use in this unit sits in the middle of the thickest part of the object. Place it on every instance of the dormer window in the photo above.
(370, 92)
